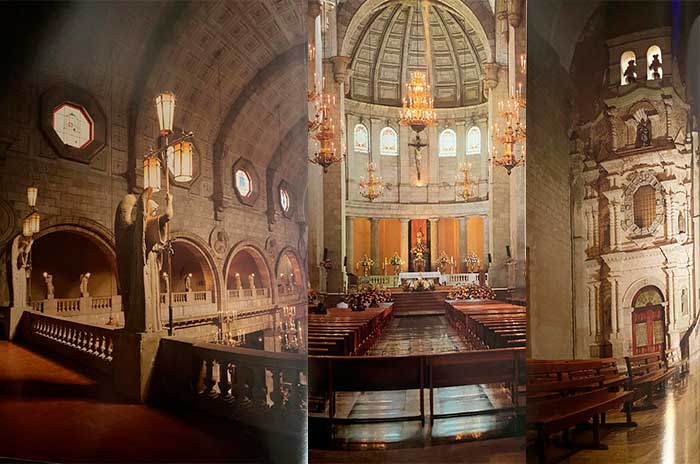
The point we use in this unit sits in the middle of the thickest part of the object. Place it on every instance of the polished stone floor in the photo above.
(669, 434)
(417, 335)
(52, 413)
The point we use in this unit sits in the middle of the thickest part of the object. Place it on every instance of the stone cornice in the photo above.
(415, 210)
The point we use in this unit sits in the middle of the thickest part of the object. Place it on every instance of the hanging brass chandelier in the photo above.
(323, 130)
(466, 185)
(417, 111)
(514, 133)
(371, 187)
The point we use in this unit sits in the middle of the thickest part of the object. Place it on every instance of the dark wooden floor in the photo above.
(49, 412)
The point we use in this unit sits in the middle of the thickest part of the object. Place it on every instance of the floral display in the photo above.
(471, 292)
(367, 295)
(418, 285)
(366, 264)
(444, 261)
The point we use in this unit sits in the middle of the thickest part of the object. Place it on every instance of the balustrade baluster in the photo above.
(258, 388)
(242, 394)
(295, 397)
(276, 394)
(224, 383)
(209, 377)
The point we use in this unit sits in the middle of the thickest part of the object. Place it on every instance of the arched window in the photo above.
(244, 184)
(474, 141)
(361, 138)
(654, 61)
(448, 143)
(389, 142)
(628, 67)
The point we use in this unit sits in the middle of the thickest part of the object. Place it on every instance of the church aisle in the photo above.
(418, 335)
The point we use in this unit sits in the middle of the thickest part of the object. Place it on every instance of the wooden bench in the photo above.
(647, 372)
(565, 393)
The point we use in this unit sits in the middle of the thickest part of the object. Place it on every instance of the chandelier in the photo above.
(466, 185)
(372, 187)
(514, 132)
(323, 130)
(417, 111)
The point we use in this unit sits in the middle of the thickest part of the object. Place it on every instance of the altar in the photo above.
(435, 276)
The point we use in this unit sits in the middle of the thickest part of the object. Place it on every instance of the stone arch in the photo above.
(288, 262)
(94, 253)
(210, 272)
(636, 286)
(257, 255)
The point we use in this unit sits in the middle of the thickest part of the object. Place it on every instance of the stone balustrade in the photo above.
(89, 305)
(188, 298)
(392, 280)
(256, 387)
(90, 345)
(246, 299)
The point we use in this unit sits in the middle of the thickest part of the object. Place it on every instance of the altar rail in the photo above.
(68, 307)
(393, 280)
(256, 387)
(90, 346)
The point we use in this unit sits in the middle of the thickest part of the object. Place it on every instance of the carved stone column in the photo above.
(462, 244)
(433, 242)
(374, 245)
(349, 243)
(404, 242)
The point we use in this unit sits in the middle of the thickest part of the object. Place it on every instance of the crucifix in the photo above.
(418, 146)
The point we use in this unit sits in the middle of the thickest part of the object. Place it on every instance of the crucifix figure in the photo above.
(418, 146)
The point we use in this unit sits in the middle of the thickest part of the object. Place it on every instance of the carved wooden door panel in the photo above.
(648, 330)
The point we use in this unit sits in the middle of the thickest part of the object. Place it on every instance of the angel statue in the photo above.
(643, 138)
(141, 237)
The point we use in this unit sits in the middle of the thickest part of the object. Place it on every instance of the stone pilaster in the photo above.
(462, 244)
(404, 242)
(433, 242)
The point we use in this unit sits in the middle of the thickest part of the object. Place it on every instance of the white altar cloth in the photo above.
(442, 280)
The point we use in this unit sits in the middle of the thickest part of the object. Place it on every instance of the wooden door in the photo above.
(648, 330)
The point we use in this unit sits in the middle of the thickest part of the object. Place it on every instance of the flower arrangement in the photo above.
(396, 262)
(366, 264)
(471, 292)
(367, 295)
(418, 285)
(473, 262)
(443, 261)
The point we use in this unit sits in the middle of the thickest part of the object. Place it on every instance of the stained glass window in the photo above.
(389, 142)
(244, 184)
(73, 125)
(448, 143)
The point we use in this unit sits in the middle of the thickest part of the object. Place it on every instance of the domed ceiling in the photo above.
(389, 44)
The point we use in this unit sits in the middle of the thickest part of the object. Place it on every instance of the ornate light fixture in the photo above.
(372, 187)
(176, 158)
(323, 129)
(466, 185)
(418, 111)
(32, 193)
(514, 131)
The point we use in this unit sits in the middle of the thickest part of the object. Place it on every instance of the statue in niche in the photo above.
(681, 223)
(684, 302)
(419, 251)
(643, 138)
(141, 239)
(418, 146)
(237, 281)
(188, 282)
(655, 66)
(251, 281)
(48, 282)
(631, 72)
(84, 279)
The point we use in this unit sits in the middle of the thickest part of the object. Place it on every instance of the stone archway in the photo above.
(193, 256)
(246, 259)
(289, 274)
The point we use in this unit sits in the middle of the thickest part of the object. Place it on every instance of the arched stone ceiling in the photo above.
(389, 43)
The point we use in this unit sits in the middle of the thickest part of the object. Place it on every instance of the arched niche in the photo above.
(245, 260)
(288, 271)
(66, 252)
(189, 258)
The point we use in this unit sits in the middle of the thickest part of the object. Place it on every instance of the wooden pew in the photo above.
(646, 373)
(563, 394)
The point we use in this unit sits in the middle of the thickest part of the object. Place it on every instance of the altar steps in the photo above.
(419, 303)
